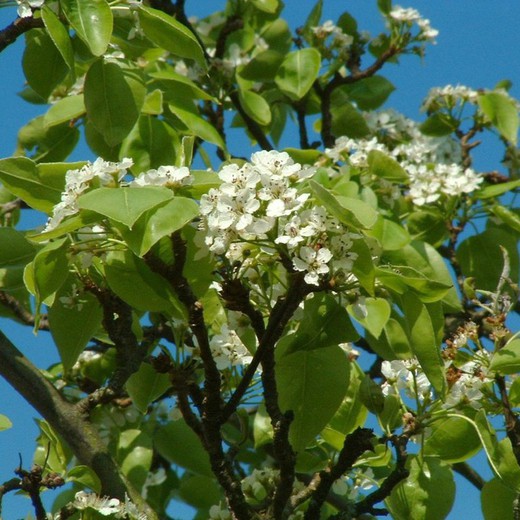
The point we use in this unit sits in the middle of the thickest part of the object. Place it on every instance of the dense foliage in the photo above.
(318, 332)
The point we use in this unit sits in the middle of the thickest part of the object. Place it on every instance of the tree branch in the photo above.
(21, 312)
(20, 26)
(465, 470)
(63, 416)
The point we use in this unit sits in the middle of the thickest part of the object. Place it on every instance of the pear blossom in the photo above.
(314, 262)
(169, 176)
(228, 350)
(25, 7)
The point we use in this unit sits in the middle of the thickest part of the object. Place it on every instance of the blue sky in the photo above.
(477, 46)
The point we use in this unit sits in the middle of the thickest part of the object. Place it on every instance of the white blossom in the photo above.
(405, 375)
(25, 7)
(228, 350)
(314, 262)
(169, 176)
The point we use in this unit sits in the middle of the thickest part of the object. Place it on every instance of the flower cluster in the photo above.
(359, 480)
(25, 7)
(96, 174)
(408, 17)
(405, 375)
(449, 97)
(228, 350)
(107, 506)
(259, 203)
(168, 176)
(432, 163)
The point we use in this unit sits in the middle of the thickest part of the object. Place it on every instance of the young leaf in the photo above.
(297, 72)
(502, 111)
(64, 110)
(373, 316)
(146, 385)
(59, 35)
(5, 423)
(255, 106)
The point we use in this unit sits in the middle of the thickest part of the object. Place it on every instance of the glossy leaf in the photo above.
(372, 313)
(73, 323)
(92, 20)
(168, 33)
(390, 235)
(439, 125)
(134, 454)
(452, 439)
(507, 216)
(190, 491)
(262, 67)
(312, 384)
(394, 342)
(255, 106)
(113, 100)
(268, 6)
(85, 476)
(371, 395)
(15, 249)
(159, 222)
(297, 72)
(427, 494)
(495, 190)
(124, 205)
(146, 385)
(502, 111)
(348, 120)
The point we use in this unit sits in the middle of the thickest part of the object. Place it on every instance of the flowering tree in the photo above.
(319, 332)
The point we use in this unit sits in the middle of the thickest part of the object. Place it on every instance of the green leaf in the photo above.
(425, 258)
(350, 211)
(325, 323)
(312, 384)
(190, 491)
(363, 266)
(348, 120)
(43, 64)
(168, 33)
(150, 144)
(64, 110)
(391, 235)
(124, 205)
(134, 454)
(351, 413)
(481, 256)
(372, 313)
(391, 416)
(262, 67)
(439, 125)
(50, 267)
(153, 103)
(136, 284)
(313, 19)
(85, 477)
(393, 343)
(427, 494)
(369, 93)
(192, 456)
(495, 190)
(452, 439)
(497, 500)
(15, 249)
(267, 6)
(59, 35)
(5, 423)
(507, 359)
(159, 222)
(146, 385)
(371, 395)
(428, 225)
(507, 216)
(92, 20)
(176, 86)
(381, 165)
(401, 279)
(297, 72)
(425, 328)
(73, 325)
(196, 124)
(255, 106)
(113, 99)
(502, 111)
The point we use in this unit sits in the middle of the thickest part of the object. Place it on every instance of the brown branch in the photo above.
(465, 470)
(63, 416)
(338, 81)
(302, 126)
(355, 444)
(24, 315)
(117, 321)
(511, 419)
(20, 26)
(398, 474)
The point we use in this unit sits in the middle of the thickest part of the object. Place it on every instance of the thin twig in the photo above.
(20, 26)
